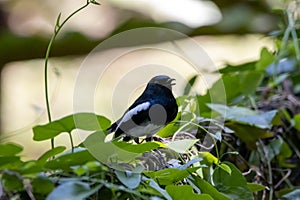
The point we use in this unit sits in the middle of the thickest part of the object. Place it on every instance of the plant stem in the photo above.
(71, 140)
(56, 31)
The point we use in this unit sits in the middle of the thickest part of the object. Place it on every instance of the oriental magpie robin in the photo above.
(155, 108)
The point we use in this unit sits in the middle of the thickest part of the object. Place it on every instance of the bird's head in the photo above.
(163, 80)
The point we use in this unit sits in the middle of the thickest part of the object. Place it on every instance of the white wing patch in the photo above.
(134, 111)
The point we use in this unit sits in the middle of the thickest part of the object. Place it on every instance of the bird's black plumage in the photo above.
(155, 108)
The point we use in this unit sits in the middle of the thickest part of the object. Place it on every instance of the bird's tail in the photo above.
(113, 128)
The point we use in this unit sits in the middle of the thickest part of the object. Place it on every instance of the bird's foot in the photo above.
(154, 138)
(126, 138)
(137, 140)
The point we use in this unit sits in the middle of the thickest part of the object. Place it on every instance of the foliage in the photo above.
(244, 149)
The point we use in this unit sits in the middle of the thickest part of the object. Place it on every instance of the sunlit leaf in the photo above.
(181, 146)
(208, 158)
(137, 148)
(225, 167)
(254, 187)
(170, 175)
(170, 129)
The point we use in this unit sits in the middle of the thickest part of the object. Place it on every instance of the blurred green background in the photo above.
(229, 31)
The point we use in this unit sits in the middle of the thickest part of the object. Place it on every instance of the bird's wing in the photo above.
(130, 113)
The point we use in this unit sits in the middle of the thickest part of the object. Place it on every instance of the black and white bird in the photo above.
(154, 109)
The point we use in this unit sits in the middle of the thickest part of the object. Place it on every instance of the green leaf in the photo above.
(207, 188)
(254, 187)
(42, 185)
(95, 2)
(233, 185)
(90, 121)
(66, 161)
(12, 181)
(185, 192)
(58, 20)
(30, 167)
(248, 134)
(169, 176)
(221, 92)
(277, 147)
(108, 152)
(245, 115)
(52, 152)
(80, 170)
(170, 129)
(266, 58)
(208, 158)
(226, 83)
(84, 121)
(247, 124)
(285, 152)
(10, 162)
(10, 149)
(155, 186)
(273, 148)
(189, 163)
(249, 81)
(238, 68)
(181, 146)
(130, 179)
(297, 122)
(137, 148)
(231, 112)
(74, 190)
(225, 167)
(189, 85)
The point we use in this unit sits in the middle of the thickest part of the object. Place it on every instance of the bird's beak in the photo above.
(172, 81)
